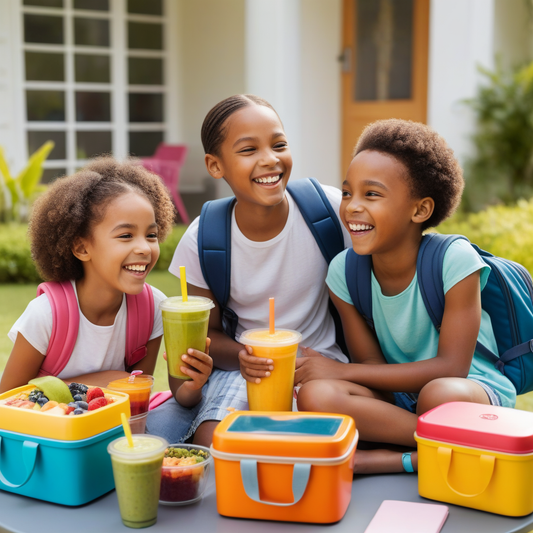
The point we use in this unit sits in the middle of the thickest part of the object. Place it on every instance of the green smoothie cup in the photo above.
(185, 326)
(137, 473)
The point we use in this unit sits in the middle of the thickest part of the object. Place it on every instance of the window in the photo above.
(94, 78)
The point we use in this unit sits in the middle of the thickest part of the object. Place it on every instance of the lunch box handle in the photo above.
(486, 467)
(300, 477)
(29, 456)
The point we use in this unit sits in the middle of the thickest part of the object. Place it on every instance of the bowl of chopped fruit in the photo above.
(184, 474)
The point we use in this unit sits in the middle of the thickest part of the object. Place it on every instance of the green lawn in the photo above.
(14, 298)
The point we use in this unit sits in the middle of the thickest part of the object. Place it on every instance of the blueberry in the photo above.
(74, 386)
(77, 398)
(82, 405)
(73, 404)
(78, 411)
(42, 400)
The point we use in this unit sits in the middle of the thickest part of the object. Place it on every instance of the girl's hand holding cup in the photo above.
(254, 368)
(198, 366)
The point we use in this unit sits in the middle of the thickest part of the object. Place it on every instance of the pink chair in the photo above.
(166, 163)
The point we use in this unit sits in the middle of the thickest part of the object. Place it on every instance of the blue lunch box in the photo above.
(68, 472)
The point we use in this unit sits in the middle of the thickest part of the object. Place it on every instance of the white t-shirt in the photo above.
(97, 348)
(289, 267)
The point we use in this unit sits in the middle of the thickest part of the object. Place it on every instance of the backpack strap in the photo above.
(214, 253)
(139, 324)
(359, 282)
(319, 216)
(65, 325)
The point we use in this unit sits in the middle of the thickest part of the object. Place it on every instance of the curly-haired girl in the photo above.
(403, 179)
(99, 230)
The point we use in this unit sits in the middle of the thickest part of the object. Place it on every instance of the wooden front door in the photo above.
(385, 64)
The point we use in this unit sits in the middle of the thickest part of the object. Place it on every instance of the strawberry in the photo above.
(96, 403)
(93, 393)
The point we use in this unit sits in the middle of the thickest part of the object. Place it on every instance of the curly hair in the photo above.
(433, 171)
(72, 205)
(213, 128)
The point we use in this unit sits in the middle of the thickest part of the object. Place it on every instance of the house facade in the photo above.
(120, 76)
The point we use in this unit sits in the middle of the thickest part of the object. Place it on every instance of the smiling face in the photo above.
(123, 246)
(378, 208)
(254, 158)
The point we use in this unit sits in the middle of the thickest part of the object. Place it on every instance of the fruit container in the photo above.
(478, 456)
(295, 467)
(51, 426)
(183, 485)
(68, 472)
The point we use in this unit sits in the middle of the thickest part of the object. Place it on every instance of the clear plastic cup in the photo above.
(138, 423)
(139, 390)
(184, 326)
(185, 484)
(137, 473)
(275, 392)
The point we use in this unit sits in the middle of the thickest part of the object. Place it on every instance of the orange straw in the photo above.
(183, 284)
(271, 329)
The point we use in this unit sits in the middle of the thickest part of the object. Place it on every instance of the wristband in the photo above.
(407, 463)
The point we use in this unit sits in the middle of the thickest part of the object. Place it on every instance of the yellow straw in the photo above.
(271, 329)
(127, 430)
(183, 284)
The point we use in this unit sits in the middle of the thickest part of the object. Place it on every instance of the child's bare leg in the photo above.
(377, 419)
(444, 390)
(204, 433)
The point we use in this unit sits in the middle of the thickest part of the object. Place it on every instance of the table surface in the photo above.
(26, 515)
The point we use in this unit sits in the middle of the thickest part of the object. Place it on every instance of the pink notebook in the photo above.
(408, 517)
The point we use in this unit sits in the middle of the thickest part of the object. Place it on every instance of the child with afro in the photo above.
(403, 179)
(99, 230)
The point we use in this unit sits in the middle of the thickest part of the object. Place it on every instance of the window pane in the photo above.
(37, 138)
(45, 105)
(145, 36)
(92, 143)
(44, 3)
(145, 71)
(145, 7)
(92, 68)
(45, 66)
(95, 5)
(50, 174)
(144, 143)
(146, 107)
(93, 106)
(384, 49)
(43, 29)
(91, 32)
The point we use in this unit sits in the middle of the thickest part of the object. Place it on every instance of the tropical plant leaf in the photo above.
(29, 178)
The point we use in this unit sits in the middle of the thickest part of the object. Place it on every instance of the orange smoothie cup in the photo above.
(139, 391)
(275, 392)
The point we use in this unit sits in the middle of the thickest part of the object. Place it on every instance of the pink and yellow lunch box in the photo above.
(477, 456)
(296, 467)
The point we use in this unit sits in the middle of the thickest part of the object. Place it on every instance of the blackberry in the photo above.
(42, 400)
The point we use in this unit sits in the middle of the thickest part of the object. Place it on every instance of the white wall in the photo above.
(461, 39)
(513, 32)
(210, 68)
(11, 99)
(321, 40)
(291, 60)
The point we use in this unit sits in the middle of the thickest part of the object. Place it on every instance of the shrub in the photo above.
(506, 231)
(16, 265)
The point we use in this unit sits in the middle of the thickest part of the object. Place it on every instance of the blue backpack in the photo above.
(214, 240)
(507, 298)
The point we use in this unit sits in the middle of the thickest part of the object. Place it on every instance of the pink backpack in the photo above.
(66, 320)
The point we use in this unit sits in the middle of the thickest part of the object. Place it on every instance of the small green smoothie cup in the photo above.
(137, 473)
(184, 326)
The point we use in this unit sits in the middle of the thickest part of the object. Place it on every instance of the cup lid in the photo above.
(262, 337)
(140, 382)
(144, 446)
(193, 303)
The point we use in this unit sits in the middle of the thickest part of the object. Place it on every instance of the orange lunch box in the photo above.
(295, 467)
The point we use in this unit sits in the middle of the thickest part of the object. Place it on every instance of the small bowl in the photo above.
(183, 485)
